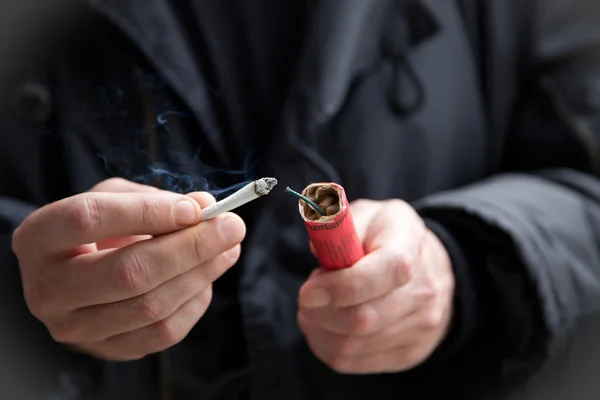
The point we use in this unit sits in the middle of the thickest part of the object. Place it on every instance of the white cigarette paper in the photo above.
(251, 191)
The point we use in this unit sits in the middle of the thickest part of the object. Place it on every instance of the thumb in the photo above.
(363, 214)
(202, 198)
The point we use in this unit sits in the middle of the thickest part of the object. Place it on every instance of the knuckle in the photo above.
(345, 345)
(363, 320)
(199, 304)
(169, 333)
(108, 184)
(226, 260)
(213, 270)
(148, 213)
(232, 256)
(21, 236)
(201, 246)
(339, 364)
(362, 203)
(37, 298)
(33, 293)
(84, 213)
(431, 319)
(411, 358)
(190, 283)
(115, 181)
(350, 287)
(402, 265)
(300, 320)
(204, 276)
(429, 288)
(421, 232)
(149, 308)
(65, 332)
(403, 209)
(204, 298)
(37, 308)
(132, 274)
(18, 240)
(398, 203)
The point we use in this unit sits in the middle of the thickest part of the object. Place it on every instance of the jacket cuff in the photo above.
(468, 307)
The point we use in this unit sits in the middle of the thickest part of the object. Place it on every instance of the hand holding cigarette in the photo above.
(391, 309)
(125, 270)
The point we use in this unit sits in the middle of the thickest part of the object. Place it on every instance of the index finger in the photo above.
(91, 217)
(374, 276)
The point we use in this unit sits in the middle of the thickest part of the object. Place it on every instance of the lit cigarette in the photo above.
(251, 191)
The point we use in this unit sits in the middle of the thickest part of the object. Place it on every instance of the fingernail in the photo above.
(232, 230)
(185, 213)
(317, 298)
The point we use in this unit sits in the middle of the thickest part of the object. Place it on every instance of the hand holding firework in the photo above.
(126, 270)
(391, 309)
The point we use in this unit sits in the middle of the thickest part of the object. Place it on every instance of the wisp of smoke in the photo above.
(164, 168)
(161, 119)
(189, 174)
(178, 172)
(185, 174)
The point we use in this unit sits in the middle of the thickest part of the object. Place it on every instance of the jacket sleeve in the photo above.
(536, 226)
(32, 366)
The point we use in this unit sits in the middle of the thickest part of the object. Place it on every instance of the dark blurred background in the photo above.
(573, 375)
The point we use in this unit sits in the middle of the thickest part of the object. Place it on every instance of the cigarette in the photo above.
(326, 213)
(248, 193)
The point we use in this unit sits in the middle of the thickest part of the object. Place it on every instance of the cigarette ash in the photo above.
(326, 197)
(264, 186)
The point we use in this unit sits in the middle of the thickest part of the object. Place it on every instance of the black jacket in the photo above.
(485, 115)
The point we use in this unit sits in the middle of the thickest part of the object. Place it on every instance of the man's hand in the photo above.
(389, 311)
(125, 270)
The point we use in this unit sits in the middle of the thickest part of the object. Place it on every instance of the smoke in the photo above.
(149, 147)
(183, 174)
(161, 119)
(173, 170)
(189, 174)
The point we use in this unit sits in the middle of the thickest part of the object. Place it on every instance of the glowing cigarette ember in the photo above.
(251, 191)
